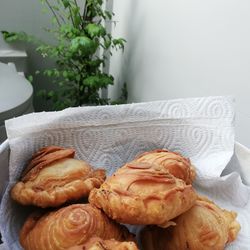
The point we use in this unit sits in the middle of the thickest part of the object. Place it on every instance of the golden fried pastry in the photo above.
(97, 243)
(176, 164)
(205, 226)
(69, 226)
(143, 193)
(54, 177)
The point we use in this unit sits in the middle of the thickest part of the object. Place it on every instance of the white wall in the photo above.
(185, 48)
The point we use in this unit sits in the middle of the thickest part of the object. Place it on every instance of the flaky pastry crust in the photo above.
(54, 177)
(69, 226)
(175, 163)
(142, 193)
(97, 243)
(205, 226)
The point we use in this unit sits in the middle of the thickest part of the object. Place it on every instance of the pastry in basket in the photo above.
(97, 243)
(54, 177)
(69, 226)
(204, 227)
(143, 193)
(177, 165)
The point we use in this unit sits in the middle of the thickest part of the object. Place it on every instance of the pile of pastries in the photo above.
(155, 190)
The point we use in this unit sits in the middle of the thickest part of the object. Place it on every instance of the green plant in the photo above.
(80, 48)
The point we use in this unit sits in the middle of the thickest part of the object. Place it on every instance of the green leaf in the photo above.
(77, 20)
(54, 20)
(76, 15)
(66, 3)
(119, 43)
(65, 74)
(51, 72)
(106, 80)
(95, 63)
(30, 78)
(15, 36)
(69, 31)
(78, 78)
(48, 72)
(94, 29)
(92, 81)
(107, 42)
(108, 14)
(42, 93)
(84, 45)
(99, 81)
(45, 10)
(54, 7)
(51, 93)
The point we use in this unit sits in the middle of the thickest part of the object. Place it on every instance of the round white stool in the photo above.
(15, 96)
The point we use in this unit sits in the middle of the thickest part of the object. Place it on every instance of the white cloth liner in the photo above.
(108, 136)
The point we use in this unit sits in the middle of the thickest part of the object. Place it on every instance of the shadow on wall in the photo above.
(129, 63)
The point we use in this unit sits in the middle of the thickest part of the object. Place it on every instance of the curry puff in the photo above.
(54, 177)
(205, 226)
(97, 243)
(69, 226)
(177, 165)
(143, 193)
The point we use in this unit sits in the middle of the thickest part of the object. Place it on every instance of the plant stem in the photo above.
(54, 13)
(61, 17)
(71, 17)
(76, 3)
(85, 11)
(79, 13)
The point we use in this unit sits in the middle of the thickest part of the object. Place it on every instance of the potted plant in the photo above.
(81, 42)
